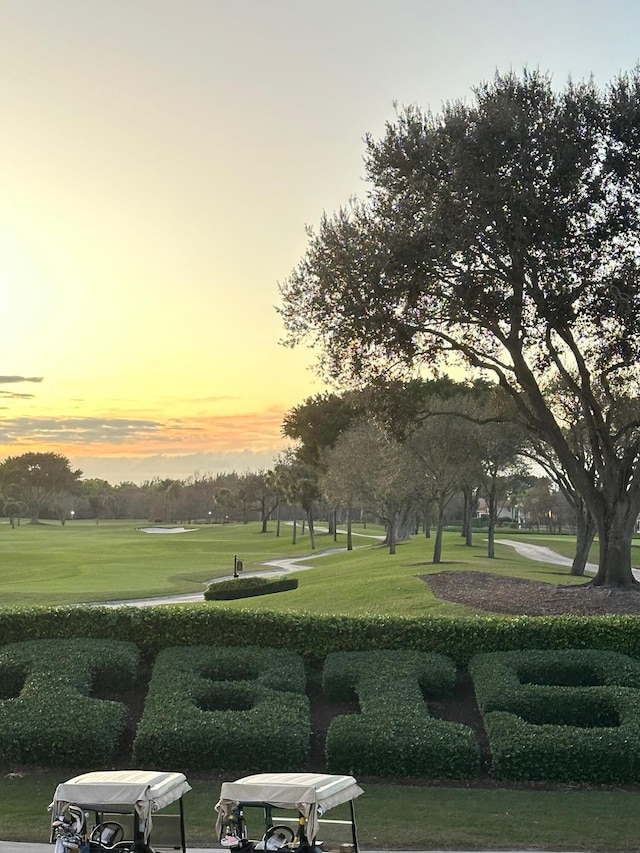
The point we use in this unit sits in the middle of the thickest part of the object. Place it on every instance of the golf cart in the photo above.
(276, 796)
(116, 811)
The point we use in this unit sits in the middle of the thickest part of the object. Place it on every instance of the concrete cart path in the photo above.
(542, 554)
(546, 555)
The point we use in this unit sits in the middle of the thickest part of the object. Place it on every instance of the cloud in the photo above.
(251, 432)
(14, 395)
(75, 430)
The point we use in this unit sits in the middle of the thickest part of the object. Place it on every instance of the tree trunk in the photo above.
(294, 541)
(437, 545)
(492, 506)
(466, 515)
(427, 521)
(391, 533)
(404, 524)
(349, 533)
(585, 534)
(615, 531)
(312, 534)
(491, 538)
(473, 503)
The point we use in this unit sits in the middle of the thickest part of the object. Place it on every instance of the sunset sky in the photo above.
(159, 161)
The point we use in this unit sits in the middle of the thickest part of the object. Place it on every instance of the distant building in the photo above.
(506, 511)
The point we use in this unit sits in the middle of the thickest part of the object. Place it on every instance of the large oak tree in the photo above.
(504, 232)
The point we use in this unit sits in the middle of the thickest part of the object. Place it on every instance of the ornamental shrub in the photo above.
(395, 735)
(247, 587)
(562, 716)
(47, 714)
(225, 708)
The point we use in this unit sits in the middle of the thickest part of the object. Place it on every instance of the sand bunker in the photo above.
(167, 529)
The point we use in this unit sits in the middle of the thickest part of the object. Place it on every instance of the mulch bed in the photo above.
(489, 593)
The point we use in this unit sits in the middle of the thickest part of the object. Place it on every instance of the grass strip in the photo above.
(397, 817)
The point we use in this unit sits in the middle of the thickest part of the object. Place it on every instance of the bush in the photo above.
(220, 708)
(394, 735)
(563, 716)
(47, 715)
(247, 587)
(563, 753)
(314, 637)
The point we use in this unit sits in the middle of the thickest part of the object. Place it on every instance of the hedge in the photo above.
(247, 587)
(561, 716)
(394, 735)
(47, 715)
(551, 715)
(213, 708)
(314, 637)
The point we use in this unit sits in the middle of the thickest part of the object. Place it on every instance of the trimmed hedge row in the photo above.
(394, 735)
(247, 587)
(314, 637)
(47, 715)
(560, 715)
(215, 708)
(563, 716)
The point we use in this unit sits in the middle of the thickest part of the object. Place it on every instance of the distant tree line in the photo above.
(40, 486)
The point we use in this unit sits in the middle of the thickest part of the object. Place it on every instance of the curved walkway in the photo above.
(543, 554)
(546, 555)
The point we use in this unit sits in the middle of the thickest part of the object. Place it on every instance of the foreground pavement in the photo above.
(15, 847)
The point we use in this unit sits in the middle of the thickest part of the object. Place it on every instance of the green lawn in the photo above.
(80, 562)
(370, 580)
(397, 816)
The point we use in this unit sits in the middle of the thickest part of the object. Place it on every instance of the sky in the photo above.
(160, 161)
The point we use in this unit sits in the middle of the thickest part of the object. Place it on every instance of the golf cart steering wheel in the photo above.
(281, 832)
(107, 834)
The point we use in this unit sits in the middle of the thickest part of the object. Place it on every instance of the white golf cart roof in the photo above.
(143, 790)
(306, 792)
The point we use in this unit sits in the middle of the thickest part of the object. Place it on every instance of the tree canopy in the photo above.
(503, 234)
(39, 479)
(317, 422)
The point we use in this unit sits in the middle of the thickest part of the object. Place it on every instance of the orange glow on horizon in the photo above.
(258, 431)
